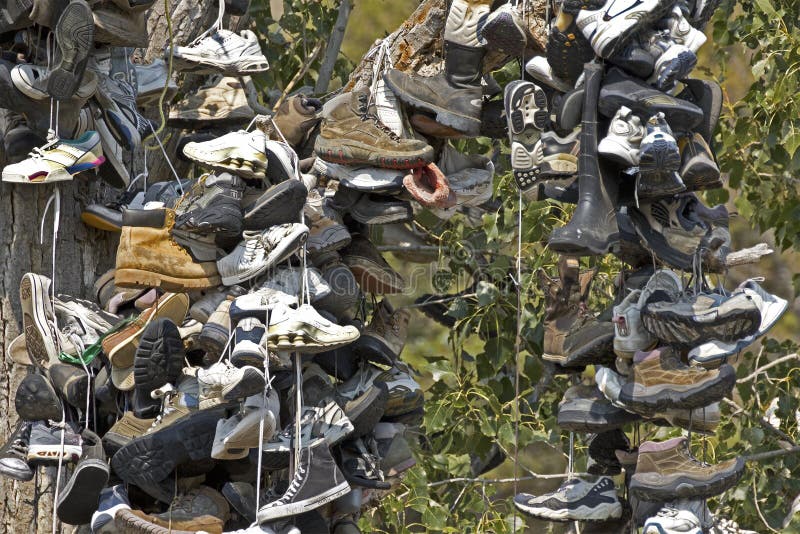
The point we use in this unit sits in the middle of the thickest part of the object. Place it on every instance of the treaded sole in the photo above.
(79, 498)
(75, 37)
(501, 33)
(701, 395)
(36, 399)
(588, 421)
(685, 487)
(603, 512)
(137, 278)
(267, 513)
(672, 327)
(368, 411)
(129, 523)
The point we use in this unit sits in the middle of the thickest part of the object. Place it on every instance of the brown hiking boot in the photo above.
(372, 272)
(221, 100)
(383, 339)
(195, 504)
(573, 337)
(667, 471)
(148, 256)
(124, 431)
(352, 135)
(661, 381)
(130, 521)
(295, 118)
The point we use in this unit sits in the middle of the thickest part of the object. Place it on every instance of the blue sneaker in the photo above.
(112, 500)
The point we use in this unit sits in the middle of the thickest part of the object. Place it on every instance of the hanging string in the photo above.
(57, 490)
(166, 157)
(517, 345)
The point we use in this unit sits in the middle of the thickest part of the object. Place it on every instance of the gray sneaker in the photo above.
(14, 454)
(574, 500)
(212, 206)
(45, 444)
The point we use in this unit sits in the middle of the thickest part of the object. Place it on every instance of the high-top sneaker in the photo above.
(317, 481)
(14, 453)
(385, 336)
(38, 321)
(659, 161)
(625, 134)
(79, 498)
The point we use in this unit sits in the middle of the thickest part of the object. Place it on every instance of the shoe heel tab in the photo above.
(144, 218)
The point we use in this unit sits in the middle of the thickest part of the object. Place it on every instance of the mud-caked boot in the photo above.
(454, 94)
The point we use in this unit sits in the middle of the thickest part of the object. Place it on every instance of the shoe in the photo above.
(671, 520)
(57, 161)
(116, 172)
(504, 31)
(222, 51)
(327, 230)
(541, 71)
(620, 89)
(72, 383)
(117, 100)
(296, 117)
(574, 500)
(659, 161)
(667, 471)
(306, 330)
(662, 382)
(592, 230)
(151, 81)
(674, 61)
(112, 500)
(14, 454)
(383, 339)
(681, 31)
(239, 433)
(691, 321)
(317, 481)
(292, 281)
(242, 153)
(201, 502)
(636, 57)
(242, 497)
(394, 449)
(159, 360)
(45, 445)
(625, 134)
(128, 520)
(567, 49)
(526, 111)
(250, 345)
(31, 80)
(212, 206)
(366, 179)
(213, 337)
(371, 271)
(610, 27)
(120, 27)
(74, 35)
(360, 466)
(125, 430)
(38, 321)
(259, 304)
(261, 250)
(146, 242)
(585, 409)
(707, 95)
(79, 499)
(351, 135)
(698, 168)
(203, 308)
(771, 307)
(280, 204)
(405, 394)
(429, 186)
(36, 400)
(345, 292)
(602, 451)
(470, 178)
(20, 140)
(221, 100)
(223, 383)
(371, 208)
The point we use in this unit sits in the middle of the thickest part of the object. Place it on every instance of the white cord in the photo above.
(166, 157)
(57, 490)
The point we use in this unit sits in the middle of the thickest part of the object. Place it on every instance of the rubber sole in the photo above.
(526, 105)
(663, 488)
(75, 38)
(97, 220)
(601, 512)
(39, 338)
(36, 400)
(366, 411)
(276, 205)
(577, 420)
(355, 154)
(80, 497)
(372, 349)
(128, 523)
(697, 396)
(201, 65)
(147, 279)
(159, 359)
(267, 513)
(600, 351)
(245, 167)
(675, 328)
(502, 33)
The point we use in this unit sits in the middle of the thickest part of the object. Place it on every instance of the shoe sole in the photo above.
(356, 154)
(202, 65)
(668, 397)
(96, 220)
(679, 329)
(244, 167)
(576, 420)
(601, 512)
(501, 33)
(599, 351)
(146, 279)
(36, 400)
(159, 360)
(269, 514)
(75, 37)
(128, 523)
(42, 348)
(526, 105)
(663, 488)
(79, 499)
(374, 350)
(329, 240)
(263, 213)
(368, 410)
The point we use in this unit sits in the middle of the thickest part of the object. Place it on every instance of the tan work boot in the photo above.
(352, 136)
(124, 431)
(148, 256)
(295, 118)
(197, 503)
(667, 471)
(220, 100)
(130, 521)
(383, 339)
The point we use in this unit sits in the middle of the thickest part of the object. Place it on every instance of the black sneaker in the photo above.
(280, 204)
(75, 38)
(14, 454)
(635, 58)
(158, 361)
(620, 89)
(71, 382)
(568, 110)
(603, 449)
(659, 161)
(698, 168)
(567, 48)
(36, 400)
(213, 206)
(574, 500)
(317, 481)
(707, 95)
(585, 409)
(80, 497)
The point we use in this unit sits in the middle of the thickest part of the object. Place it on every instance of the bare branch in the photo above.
(748, 255)
(754, 374)
(334, 45)
(761, 420)
(484, 481)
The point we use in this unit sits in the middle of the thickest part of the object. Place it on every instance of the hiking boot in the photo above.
(393, 448)
(585, 409)
(327, 232)
(148, 256)
(280, 204)
(351, 135)
(317, 481)
(222, 51)
(71, 382)
(137, 522)
(158, 361)
(57, 161)
(112, 500)
(372, 272)
(125, 430)
(38, 321)
(383, 339)
(592, 230)
(659, 161)
(14, 454)
(662, 382)
(150, 82)
(671, 520)
(666, 471)
(296, 117)
(80, 497)
(199, 502)
(75, 37)
(574, 500)
(45, 445)
(306, 330)
(261, 250)
(698, 168)
(707, 95)
(221, 100)
(608, 31)
(242, 153)
(567, 49)
(215, 333)
(625, 134)
(222, 383)
(212, 206)
(36, 400)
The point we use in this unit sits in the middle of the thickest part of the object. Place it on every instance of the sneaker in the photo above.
(151, 80)
(584, 408)
(259, 303)
(671, 520)
(222, 51)
(213, 337)
(294, 281)
(74, 36)
(14, 454)
(574, 500)
(38, 321)
(366, 179)
(222, 383)
(221, 100)
(116, 172)
(372, 272)
(72, 382)
(159, 360)
(394, 448)
(280, 204)
(541, 71)
(112, 500)
(31, 80)
(117, 99)
(236, 435)
(674, 61)
(526, 111)
(567, 49)
(610, 27)
(707, 95)
(250, 344)
(328, 232)
(79, 499)
(242, 153)
(45, 445)
(126, 429)
(57, 161)
(691, 321)
(242, 497)
(636, 57)
(405, 394)
(261, 250)
(659, 161)
(317, 481)
(360, 466)
(306, 330)
(203, 308)
(383, 339)
(681, 31)
(662, 382)
(667, 471)
(698, 168)
(625, 134)
(371, 208)
(212, 206)
(204, 506)
(771, 307)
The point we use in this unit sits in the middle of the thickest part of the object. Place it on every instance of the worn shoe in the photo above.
(526, 112)
(429, 186)
(236, 435)
(541, 71)
(72, 382)
(74, 37)
(567, 49)
(45, 446)
(372, 272)
(667, 471)
(671, 520)
(674, 61)
(222, 51)
(625, 134)
(151, 80)
(394, 448)
(366, 179)
(659, 161)
(241, 152)
(159, 360)
(80, 497)
(296, 117)
(306, 330)
(383, 339)
(221, 100)
(128, 520)
(212, 206)
(260, 251)
(681, 31)
(707, 95)
(57, 161)
(585, 409)
(280, 204)
(36, 400)
(201, 502)
(222, 383)
(574, 500)
(112, 500)
(345, 292)
(14, 453)
(610, 27)
(698, 168)
(38, 321)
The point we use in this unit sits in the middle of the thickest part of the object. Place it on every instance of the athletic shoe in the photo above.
(159, 359)
(212, 206)
(79, 499)
(567, 49)
(38, 321)
(574, 500)
(541, 71)
(151, 81)
(394, 448)
(371, 208)
(259, 303)
(112, 500)
(681, 31)
(222, 383)
(366, 179)
(306, 330)
(14, 454)
(45, 446)
(294, 281)
(526, 112)
(116, 173)
(707, 95)
(610, 27)
(222, 51)
(360, 467)
(241, 152)
(31, 80)
(317, 481)
(671, 520)
(625, 134)
(117, 99)
(250, 345)
(57, 161)
(281, 203)
(345, 292)
(236, 435)
(557, 157)
(698, 168)
(328, 232)
(221, 100)
(674, 61)
(504, 31)
(260, 251)
(771, 308)
(659, 161)
(74, 36)
(635, 57)
(585, 409)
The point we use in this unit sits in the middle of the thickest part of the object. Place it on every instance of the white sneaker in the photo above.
(242, 153)
(625, 134)
(670, 520)
(223, 382)
(236, 435)
(290, 281)
(222, 51)
(260, 251)
(31, 80)
(151, 79)
(57, 161)
(328, 421)
(539, 68)
(609, 28)
(682, 32)
(306, 331)
(387, 107)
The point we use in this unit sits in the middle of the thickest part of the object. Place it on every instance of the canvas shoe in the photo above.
(222, 382)
(574, 500)
(38, 321)
(241, 152)
(305, 330)
(261, 250)
(112, 500)
(541, 71)
(151, 80)
(57, 161)
(222, 51)
(610, 27)
(221, 100)
(625, 134)
(671, 520)
(14, 453)
(45, 444)
(659, 161)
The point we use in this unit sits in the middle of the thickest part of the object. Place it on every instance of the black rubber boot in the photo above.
(593, 228)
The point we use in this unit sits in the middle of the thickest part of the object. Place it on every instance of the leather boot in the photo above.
(593, 228)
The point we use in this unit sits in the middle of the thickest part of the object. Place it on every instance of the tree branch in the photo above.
(762, 421)
(298, 76)
(769, 455)
(754, 374)
(748, 255)
(484, 481)
(334, 45)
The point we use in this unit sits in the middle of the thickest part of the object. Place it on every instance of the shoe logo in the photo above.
(477, 102)
(608, 15)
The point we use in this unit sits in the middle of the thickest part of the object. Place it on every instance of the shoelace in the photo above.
(295, 485)
(39, 152)
(381, 126)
